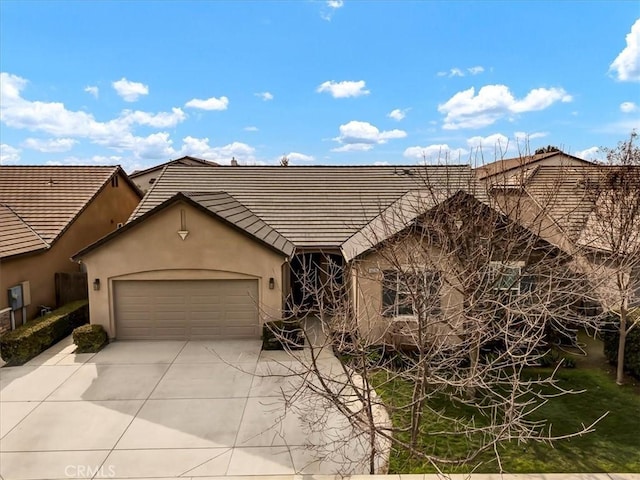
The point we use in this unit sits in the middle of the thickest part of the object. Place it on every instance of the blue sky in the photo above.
(323, 82)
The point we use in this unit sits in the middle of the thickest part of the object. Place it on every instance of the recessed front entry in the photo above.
(186, 309)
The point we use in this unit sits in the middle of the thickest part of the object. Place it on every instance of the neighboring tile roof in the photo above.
(16, 236)
(229, 209)
(507, 164)
(311, 206)
(187, 160)
(45, 200)
(563, 194)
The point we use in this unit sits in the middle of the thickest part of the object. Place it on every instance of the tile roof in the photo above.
(311, 206)
(507, 164)
(186, 160)
(229, 209)
(563, 193)
(16, 236)
(45, 200)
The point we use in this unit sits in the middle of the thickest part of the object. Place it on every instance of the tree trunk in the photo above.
(621, 344)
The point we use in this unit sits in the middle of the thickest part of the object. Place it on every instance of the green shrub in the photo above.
(90, 338)
(611, 337)
(282, 334)
(29, 340)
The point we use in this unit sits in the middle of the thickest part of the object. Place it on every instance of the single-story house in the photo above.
(584, 217)
(47, 214)
(147, 177)
(214, 252)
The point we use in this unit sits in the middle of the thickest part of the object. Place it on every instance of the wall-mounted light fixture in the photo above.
(272, 283)
(96, 284)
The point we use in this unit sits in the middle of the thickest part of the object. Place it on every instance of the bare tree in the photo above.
(612, 236)
(449, 295)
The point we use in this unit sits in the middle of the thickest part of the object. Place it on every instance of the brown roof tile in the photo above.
(186, 160)
(507, 164)
(311, 206)
(45, 199)
(16, 236)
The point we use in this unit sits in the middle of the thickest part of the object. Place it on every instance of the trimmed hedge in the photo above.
(631, 348)
(90, 338)
(29, 340)
(282, 334)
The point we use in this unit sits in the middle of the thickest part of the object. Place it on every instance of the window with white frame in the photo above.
(506, 276)
(411, 293)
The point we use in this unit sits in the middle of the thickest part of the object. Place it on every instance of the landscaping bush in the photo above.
(610, 338)
(27, 341)
(282, 334)
(90, 338)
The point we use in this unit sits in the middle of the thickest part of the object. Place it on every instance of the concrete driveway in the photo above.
(166, 409)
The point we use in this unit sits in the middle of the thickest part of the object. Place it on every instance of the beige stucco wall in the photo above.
(142, 181)
(153, 250)
(111, 206)
(366, 288)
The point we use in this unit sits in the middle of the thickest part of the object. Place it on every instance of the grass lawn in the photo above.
(613, 447)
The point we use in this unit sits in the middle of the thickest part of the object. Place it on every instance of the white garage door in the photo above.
(186, 309)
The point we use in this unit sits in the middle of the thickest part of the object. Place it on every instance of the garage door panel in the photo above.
(186, 309)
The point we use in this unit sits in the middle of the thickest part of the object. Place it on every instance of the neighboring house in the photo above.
(144, 179)
(581, 220)
(504, 169)
(47, 214)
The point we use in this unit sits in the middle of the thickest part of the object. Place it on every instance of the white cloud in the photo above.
(628, 107)
(329, 8)
(362, 136)
(118, 134)
(344, 89)
(93, 160)
(468, 110)
(497, 141)
(212, 103)
(266, 96)
(93, 90)
(591, 153)
(199, 147)
(155, 146)
(9, 154)
(295, 157)
(250, 128)
(10, 87)
(524, 136)
(626, 66)
(54, 119)
(50, 145)
(459, 72)
(398, 114)
(130, 91)
(435, 153)
(157, 120)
